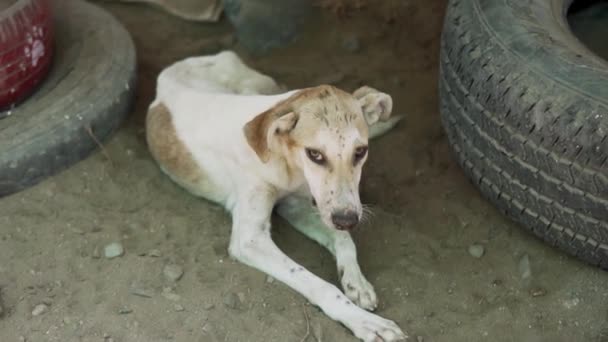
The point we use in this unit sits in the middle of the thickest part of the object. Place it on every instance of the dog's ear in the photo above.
(267, 127)
(376, 105)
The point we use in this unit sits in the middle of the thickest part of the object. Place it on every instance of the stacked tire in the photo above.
(525, 107)
(84, 97)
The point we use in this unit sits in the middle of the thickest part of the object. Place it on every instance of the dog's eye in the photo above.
(315, 155)
(360, 153)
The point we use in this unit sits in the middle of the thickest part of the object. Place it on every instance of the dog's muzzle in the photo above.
(345, 220)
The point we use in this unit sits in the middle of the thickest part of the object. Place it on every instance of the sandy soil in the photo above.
(415, 250)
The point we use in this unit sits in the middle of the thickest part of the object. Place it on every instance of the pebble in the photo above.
(208, 306)
(476, 250)
(538, 292)
(155, 253)
(351, 43)
(570, 303)
(113, 250)
(141, 292)
(124, 311)
(269, 279)
(178, 308)
(96, 253)
(170, 295)
(524, 267)
(173, 272)
(231, 300)
(40, 309)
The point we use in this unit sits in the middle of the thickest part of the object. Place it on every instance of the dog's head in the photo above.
(322, 133)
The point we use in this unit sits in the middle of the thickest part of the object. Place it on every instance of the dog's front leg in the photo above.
(299, 212)
(251, 244)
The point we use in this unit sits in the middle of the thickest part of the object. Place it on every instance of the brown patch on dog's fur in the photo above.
(167, 149)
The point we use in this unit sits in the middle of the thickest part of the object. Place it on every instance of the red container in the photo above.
(26, 49)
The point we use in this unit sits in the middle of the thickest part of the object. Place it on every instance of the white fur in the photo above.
(211, 99)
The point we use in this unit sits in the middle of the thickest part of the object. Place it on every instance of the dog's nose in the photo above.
(345, 220)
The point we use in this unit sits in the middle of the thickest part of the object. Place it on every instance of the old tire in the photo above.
(85, 96)
(525, 108)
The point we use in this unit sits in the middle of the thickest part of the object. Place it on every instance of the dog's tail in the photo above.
(381, 127)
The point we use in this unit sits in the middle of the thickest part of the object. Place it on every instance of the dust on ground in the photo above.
(417, 250)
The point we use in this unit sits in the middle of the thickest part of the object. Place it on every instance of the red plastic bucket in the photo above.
(26, 48)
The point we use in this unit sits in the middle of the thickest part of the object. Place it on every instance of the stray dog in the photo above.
(229, 134)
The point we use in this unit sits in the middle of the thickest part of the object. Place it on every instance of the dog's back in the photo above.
(223, 73)
(194, 127)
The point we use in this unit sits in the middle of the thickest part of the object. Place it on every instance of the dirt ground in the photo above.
(415, 250)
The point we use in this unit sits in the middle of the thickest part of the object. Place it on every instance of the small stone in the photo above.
(351, 43)
(155, 253)
(172, 296)
(173, 272)
(538, 292)
(241, 296)
(113, 250)
(524, 267)
(96, 253)
(40, 309)
(231, 300)
(208, 306)
(269, 279)
(570, 303)
(140, 292)
(178, 308)
(476, 250)
(124, 311)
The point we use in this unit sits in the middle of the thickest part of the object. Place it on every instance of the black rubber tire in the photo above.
(85, 96)
(525, 108)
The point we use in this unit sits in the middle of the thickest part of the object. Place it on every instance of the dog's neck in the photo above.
(285, 174)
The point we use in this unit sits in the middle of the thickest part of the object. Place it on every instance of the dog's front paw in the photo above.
(372, 328)
(359, 290)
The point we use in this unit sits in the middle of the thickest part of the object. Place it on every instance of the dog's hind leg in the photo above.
(380, 127)
(299, 212)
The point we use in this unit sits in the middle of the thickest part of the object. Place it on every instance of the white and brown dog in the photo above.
(225, 132)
